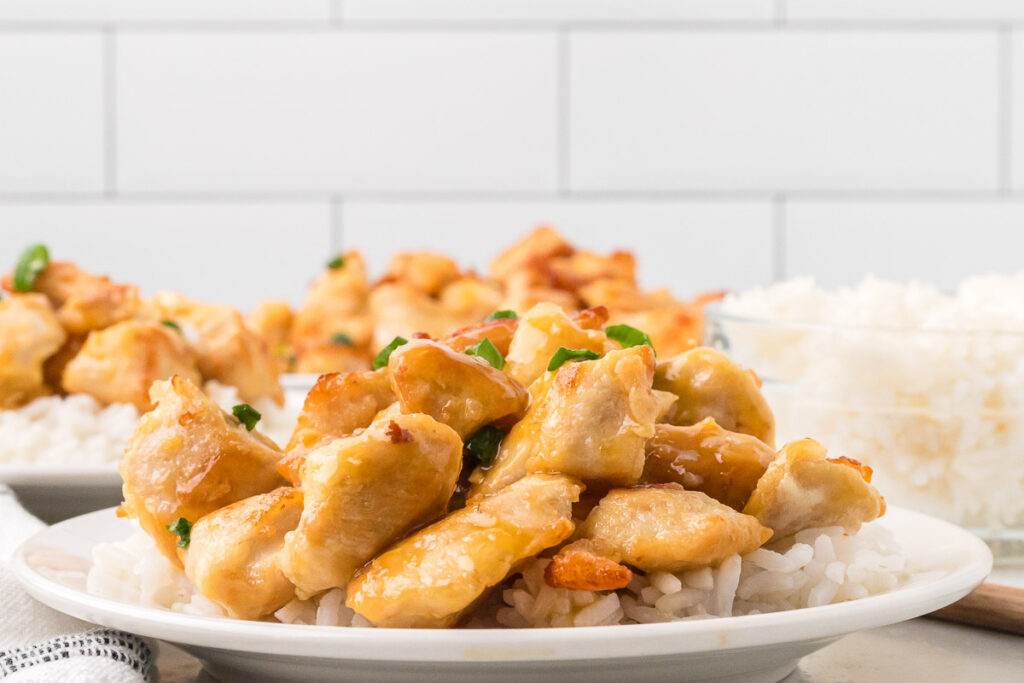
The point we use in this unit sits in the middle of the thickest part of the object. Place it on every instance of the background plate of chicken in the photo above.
(760, 647)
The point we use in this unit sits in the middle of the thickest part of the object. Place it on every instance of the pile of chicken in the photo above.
(74, 332)
(612, 462)
(345, 320)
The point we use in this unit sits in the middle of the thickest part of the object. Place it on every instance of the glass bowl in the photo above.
(937, 414)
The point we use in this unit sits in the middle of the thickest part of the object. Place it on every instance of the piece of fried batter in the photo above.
(803, 488)
(430, 578)
(585, 565)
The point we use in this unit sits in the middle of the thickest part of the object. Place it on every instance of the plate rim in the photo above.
(59, 475)
(507, 645)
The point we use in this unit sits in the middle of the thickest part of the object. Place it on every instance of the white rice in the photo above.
(928, 390)
(72, 430)
(277, 422)
(816, 567)
(77, 430)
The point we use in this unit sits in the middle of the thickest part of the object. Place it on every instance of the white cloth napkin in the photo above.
(41, 644)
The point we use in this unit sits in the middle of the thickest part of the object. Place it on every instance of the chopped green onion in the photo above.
(384, 356)
(486, 350)
(247, 415)
(31, 262)
(171, 324)
(336, 262)
(628, 336)
(502, 314)
(563, 355)
(182, 528)
(341, 339)
(484, 444)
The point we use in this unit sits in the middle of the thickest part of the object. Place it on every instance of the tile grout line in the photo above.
(781, 13)
(448, 26)
(109, 66)
(763, 195)
(779, 238)
(336, 223)
(1004, 138)
(562, 130)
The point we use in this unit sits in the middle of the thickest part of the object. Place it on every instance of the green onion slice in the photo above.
(247, 415)
(31, 262)
(183, 529)
(628, 336)
(484, 444)
(486, 350)
(502, 314)
(336, 262)
(171, 324)
(341, 339)
(384, 356)
(563, 355)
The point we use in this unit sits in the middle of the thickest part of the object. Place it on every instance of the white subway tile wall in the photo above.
(556, 10)
(227, 147)
(792, 110)
(51, 112)
(237, 253)
(323, 111)
(939, 242)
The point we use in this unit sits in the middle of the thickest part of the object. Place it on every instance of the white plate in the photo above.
(57, 492)
(762, 647)
(299, 381)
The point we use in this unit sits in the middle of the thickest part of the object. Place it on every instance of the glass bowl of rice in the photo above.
(925, 386)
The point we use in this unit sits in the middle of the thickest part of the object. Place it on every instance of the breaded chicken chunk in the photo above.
(272, 321)
(188, 458)
(532, 251)
(708, 384)
(459, 390)
(332, 357)
(84, 301)
(337, 302)
(542, 330)
(364, 492)
(664, 527)
(118, 364)
(704, 457)
(340, 403)
(426, 271)
(29, 334)
(802, 489)
(588, 420)
(232, 556)
(226, 349)
(498, 331)
(430, 578)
